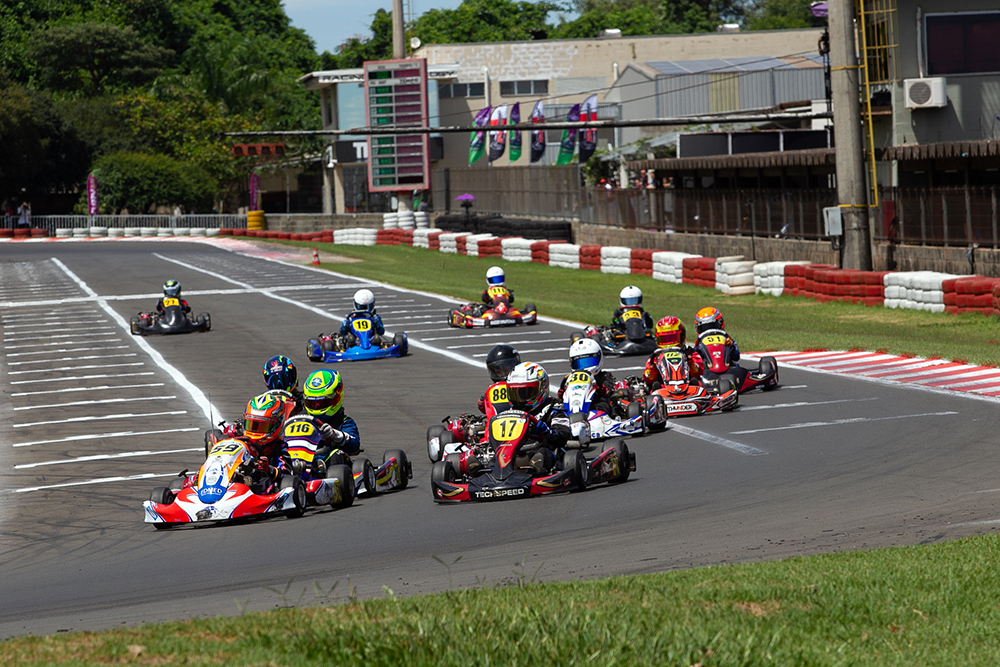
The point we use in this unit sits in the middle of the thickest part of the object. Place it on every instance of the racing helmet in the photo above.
(527, 386)
(670, 332)
(501, 360)
(172, 289)
(263, 418)
(630, 296)
(364, 300)
(494, 276)
(324, 393)
(585, 355)
(709, 318)
(280, 373)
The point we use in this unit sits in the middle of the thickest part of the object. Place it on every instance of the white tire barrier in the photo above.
(668, 265)
(565, 255)
(616, 259)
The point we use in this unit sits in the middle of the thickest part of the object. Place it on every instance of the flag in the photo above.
(477, 141)
(498, 138)
(588, 137)
(538, 136)
(515, 136)
(254, 191)
(567, 145)
(92, 205)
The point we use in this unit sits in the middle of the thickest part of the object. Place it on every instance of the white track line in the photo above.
(63, 359)
(98, 436)
(127, 415)
(73, 368)
(511, 342)
(64, 342)
(486, 335)
(802, 404)
(97, 402)
(104, 457)
(77, 349)
(714, 439)
(105, 387)
(101, 376)
(101, 331)
(840, 422)
(211, 412)
(129, 478)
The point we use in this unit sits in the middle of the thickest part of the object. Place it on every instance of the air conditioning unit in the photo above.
(925, 93)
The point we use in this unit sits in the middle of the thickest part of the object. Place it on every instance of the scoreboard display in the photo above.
(396, 96)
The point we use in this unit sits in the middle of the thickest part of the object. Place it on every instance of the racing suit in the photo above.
(184, 306)
(487, 299)
(651, 374)
(345, 327)
(604, 393)
(495, 399)
(351, 444)
(618, 324)
(551, 430)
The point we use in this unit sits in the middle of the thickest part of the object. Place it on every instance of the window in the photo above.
(461, 90)
(524, 87)
(963, 43)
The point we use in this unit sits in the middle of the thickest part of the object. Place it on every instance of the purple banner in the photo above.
(92, 195)
(254, 191)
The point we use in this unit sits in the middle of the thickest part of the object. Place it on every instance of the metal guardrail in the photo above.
(207, 221)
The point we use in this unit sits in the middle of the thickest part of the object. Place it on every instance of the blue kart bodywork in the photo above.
(362, 328)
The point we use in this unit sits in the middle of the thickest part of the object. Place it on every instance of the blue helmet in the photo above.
(280, 373)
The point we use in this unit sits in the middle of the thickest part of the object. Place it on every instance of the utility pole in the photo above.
(398, 30)
(851, 190)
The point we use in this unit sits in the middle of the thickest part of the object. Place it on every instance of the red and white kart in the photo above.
(715, 349)
(498, 313)
(680, 396)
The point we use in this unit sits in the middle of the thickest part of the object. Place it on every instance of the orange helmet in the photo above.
(709, 318)
(263, 418)
(670, 332)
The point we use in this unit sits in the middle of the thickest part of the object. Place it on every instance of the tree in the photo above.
(140, 182)
(95, 57)
(782, 15)
(356, 50)
(233, 72)
(485, 21)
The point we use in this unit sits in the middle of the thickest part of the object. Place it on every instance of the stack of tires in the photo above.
(616, 259)
(565, 255)
(668, 265)
(734, 276)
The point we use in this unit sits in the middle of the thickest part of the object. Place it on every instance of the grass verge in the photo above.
(757, 322)
(928, 606)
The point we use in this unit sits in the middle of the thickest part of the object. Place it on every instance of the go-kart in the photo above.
(173, 320)
(497, 313)
(641, 414)
(227, 486)
(499, 467)
(716, 352)
(305, 457)
(634, 340)
(683, 398)
(359, 344)
(453, 434)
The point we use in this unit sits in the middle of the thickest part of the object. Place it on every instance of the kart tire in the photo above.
(314, 350)
(176, 485)
(162, 495)
(766, 367)
(434, 433)
(575, 336)
(573, 460)
(368, 478)
(447, 438)
(206, 319)
(621, 451)
(298, 495)
(134, 326)
(443, 471)
(343, 474)
(639, 408)
(212, 436)
(405, 469)
(400, 340)
(530, 308)
(727, 382)
(456, 462)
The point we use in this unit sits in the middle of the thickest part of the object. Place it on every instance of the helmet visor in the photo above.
(585, 362)
(669, 338)
(501, 368)
(257, 428)
(495, 280)
(320, 403)
(173, 290)
(523, 394)
(631, 300)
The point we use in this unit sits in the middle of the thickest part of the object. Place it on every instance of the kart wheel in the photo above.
(314, 351)
(176, 485)
(573, 460)
(404, 466)
(530, 308)
(298, 495)
(434, 442)
(134, 326)
(727, 382)
(327, 346)
(343, 474)
(637, 408)
(400, 340)
(575, 336)
(624, 460)
(368, 478)
(456, 462)
(447, 438)
(162, 495)
(443, 471)
(206, 319)
(766, 367)
(212, 436)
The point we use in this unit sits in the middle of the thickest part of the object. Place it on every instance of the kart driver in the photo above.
(499, 362)
(528, 388)
(262, 422)
(364, 307)
(585, 355)
(709, 321)
(495, 278)
(281, 378)
(172, 290)
(670, 333)
(630, 298)
(324, 400)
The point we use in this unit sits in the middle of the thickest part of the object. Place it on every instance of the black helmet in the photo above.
(280, 373)
(500, 361)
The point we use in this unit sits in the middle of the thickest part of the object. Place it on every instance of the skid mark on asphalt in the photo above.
(841, 422)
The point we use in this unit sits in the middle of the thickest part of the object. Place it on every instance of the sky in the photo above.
(330, 22)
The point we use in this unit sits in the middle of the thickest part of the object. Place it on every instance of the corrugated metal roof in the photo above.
(810, 157)
(749, 64)
(951, 149)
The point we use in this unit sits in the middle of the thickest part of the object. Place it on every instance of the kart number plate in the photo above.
(167, 303)
(498, 395)
(714, 340)
(508, 429)
(631, 315)
(579, 378)
(226, 447)
(361, 325)
(299, 429)
(497, 292)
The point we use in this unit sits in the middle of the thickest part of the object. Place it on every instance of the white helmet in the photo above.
(364, 299)
(586, 355)
(527, 386)
(494, 276)
(630, 296)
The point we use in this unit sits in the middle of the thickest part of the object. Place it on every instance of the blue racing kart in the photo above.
(359, 344)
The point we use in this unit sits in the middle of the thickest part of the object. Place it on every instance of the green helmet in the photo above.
(324, 393)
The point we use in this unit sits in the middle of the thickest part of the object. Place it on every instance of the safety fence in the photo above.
(51, 223)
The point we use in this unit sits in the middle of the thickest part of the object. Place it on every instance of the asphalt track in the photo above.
(92, 418)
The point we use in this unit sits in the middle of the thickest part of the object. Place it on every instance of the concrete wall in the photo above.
(928, 258)
(300, 223)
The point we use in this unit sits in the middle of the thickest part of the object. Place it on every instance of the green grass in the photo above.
(927, 606)
(756, 322)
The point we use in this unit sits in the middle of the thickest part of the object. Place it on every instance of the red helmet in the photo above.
(670, 332)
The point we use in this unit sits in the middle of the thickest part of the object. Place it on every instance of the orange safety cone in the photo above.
(315, 257)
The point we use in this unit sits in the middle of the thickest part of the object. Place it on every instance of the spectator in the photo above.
(24, 215)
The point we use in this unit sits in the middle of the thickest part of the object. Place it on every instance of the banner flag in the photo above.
(477, 141)
(567, 146)
(588, 136)
(498, 138)
(515, 136)
(537, 136)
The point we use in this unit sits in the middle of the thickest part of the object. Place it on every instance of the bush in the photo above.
(140, 182)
